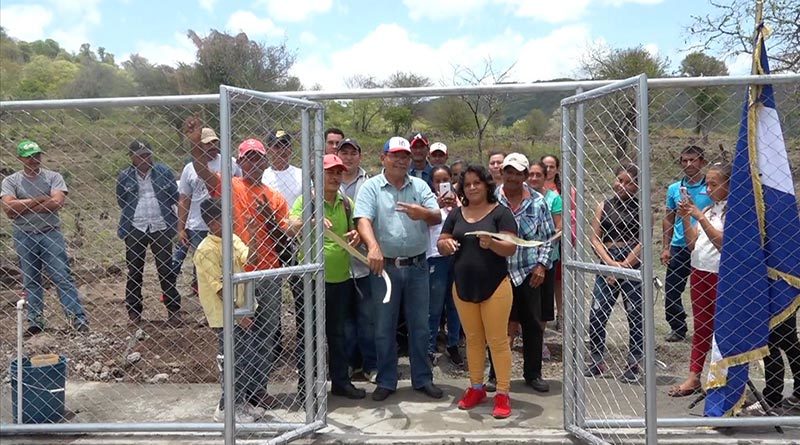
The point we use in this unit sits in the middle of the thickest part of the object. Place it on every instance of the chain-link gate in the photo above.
(139, 350)
(605, 158)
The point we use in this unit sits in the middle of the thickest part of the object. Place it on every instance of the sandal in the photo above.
(677, 391)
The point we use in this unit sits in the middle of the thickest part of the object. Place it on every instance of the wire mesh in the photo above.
(117, 370)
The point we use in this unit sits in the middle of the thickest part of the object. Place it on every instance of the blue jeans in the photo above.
(603, 299)
(441, 293)
(360, 327)
(409, 285)
(48, 251)
(181, 250)
(678, 271)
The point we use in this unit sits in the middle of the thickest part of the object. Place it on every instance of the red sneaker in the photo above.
(472, 397)
(502, 406)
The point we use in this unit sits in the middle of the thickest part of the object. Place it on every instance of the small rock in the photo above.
(105, 370)
(79, 367)
(134, 357)
(104, 375)
(117, 373)
(159, 378)
(96, 367)
(109, 362)
(176, 370)
(140, 334)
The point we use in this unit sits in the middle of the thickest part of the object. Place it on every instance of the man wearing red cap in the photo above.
(259, 213)
(420, 167)
(340, 291)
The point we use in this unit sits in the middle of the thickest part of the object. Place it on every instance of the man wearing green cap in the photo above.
(31, 199)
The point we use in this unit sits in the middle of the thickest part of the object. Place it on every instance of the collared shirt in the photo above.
(426, 174)
(208, 263)
(705, 256)
(698, 193)
(194, 187)
(396, 233)
(351, 189)
(337, 260)
(534, 222)
(147, 217)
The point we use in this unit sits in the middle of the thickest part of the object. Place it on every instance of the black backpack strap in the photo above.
(348, 211)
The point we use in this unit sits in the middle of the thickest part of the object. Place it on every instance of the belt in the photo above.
(404, 261)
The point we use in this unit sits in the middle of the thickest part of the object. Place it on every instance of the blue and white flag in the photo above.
(759, 273)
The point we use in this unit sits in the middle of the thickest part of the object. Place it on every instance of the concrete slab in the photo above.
(405, 417)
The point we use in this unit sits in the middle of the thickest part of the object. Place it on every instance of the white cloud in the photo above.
(180, 50)
(740, 65)
(441, 9)
(651, 48)
(294, 10)
(31, 22)
(25, 22)
(208, 5)
(551, 12)
(252, 25)
(554, 55)
(561, 11)
(308, 38)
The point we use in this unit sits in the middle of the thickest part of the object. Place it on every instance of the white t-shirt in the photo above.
(191, 185)
(705, 256)
(288, 183)
(434, 232)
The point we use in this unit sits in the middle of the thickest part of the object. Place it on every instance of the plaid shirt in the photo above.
(534, 223)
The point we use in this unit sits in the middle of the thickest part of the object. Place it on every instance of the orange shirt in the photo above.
(244, 197)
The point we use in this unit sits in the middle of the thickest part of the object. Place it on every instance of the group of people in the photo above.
(451, 238)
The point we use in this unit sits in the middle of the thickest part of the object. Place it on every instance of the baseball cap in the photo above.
(27, 148)
(332, 161)
(438, 146)
(279, 137)
(348, 141)
(396, 144)
(419, 137)
(207, 135)
(516, 160)
(140, 148)
(249, 145)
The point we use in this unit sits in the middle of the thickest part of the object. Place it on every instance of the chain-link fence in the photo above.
(128, 374)
(641, 315)
(141, 345)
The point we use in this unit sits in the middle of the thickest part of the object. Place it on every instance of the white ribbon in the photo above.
(360, 257)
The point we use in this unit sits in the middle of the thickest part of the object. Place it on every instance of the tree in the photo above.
(730, 29)
(451, 114)
(400, 112)
(484, 108)
(364, 111)
(707, 101)
(44, 78)
(399, 118)
(615, 64)
(535, 124)
(239, 61)
(150, 79)
(97, 79)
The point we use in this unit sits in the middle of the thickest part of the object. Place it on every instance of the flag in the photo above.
(759, 273)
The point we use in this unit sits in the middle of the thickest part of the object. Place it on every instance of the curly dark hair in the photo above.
(485, 177)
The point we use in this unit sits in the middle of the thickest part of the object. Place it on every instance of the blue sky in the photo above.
(335, 39)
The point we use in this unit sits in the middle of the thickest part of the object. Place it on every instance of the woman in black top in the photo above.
(615, 239)
(482, 291)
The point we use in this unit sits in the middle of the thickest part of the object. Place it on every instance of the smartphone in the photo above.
(445, 188)
(685, 194)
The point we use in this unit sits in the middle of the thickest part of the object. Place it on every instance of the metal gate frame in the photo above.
(312, 150)
(576, 266)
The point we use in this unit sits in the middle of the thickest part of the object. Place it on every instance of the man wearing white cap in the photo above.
(394, 211)
(191, 192)
(438, 154)
(531, 308)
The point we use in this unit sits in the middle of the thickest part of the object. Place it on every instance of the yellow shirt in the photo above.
(208, 263)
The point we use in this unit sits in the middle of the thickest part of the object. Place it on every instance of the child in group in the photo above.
(208, 263)
(705, 242)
